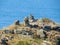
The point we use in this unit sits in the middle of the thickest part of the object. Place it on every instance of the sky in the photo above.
(11, 10)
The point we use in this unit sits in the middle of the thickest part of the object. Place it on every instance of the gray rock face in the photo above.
(42, 34)
(46, 43)
(7, 31)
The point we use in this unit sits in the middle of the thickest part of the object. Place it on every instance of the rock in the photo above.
(17, 22)
(18, 32)
(7, 31)
(4, 41)
(31, 17)
(26, 21)
(48, 28)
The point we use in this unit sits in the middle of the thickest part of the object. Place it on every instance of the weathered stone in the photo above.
(47, 28)
(26, 21)
(17, 31)
(31, 17)
(4, 41)
(17, 22)
(46, 43)
(42, 33)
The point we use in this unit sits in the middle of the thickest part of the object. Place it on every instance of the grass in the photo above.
(24, 40)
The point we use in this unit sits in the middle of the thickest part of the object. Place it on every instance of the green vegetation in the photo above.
(23, 43)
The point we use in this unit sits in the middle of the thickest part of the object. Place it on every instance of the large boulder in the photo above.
(42, 34)
(47, 28)
(57, 28)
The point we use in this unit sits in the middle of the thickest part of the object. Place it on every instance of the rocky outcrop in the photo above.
(17, 22)
(26, 21)
(31, 18)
